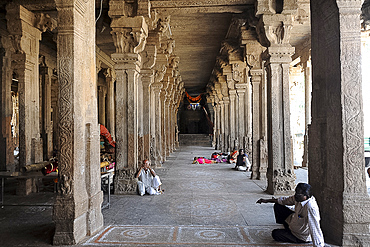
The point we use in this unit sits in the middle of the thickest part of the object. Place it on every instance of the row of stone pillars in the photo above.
(148, 92)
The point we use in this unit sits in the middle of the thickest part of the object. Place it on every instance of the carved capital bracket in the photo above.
(44, 22)
(129, 34)
(274, 29)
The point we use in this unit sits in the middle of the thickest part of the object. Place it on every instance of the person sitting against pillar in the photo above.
(242, 162)
(149, 181)
(301, 225)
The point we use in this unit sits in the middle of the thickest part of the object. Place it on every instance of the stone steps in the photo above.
(203, 140)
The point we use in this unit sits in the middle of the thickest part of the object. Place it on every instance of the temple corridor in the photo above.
(202, 205)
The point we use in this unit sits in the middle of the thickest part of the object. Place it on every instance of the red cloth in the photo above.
(203, 160)
(105, 133)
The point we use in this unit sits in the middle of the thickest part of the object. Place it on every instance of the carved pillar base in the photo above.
(125, 181)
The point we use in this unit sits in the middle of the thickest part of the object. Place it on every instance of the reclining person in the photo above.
(148, 182)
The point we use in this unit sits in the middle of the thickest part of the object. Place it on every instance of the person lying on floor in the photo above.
(301, 225)
(148, 182)
(202, 160)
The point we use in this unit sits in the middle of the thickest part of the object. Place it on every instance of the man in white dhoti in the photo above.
(148, 182)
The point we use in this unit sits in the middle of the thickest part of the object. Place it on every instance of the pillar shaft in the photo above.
(46, 124)
(336, 144)
(157, 117)
(6, 139)
(26, 67)
(127, 69)
(147, 80)
(256, 124)
(280, 175)
(110, 121)
(77, 208)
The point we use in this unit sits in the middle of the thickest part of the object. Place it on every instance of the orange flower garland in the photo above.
(193, 100)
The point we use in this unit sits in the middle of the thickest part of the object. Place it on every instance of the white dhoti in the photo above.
(148, 184)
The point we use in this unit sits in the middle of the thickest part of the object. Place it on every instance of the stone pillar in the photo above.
(157, 142)
(46, 124)
(77, 207)
(110, 77)
(336, 144)
(232, 117)
(240, 89)
(140, 140)
(102, 93)
(222, 127)
(147, 80)
(6, 139)
(256, 77)
(129, 35)
(307, 111)
(226, 116)
(281, 177)
(26, 38)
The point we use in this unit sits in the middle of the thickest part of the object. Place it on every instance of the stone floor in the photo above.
(203, 205)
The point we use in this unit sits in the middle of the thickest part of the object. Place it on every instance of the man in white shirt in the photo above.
(148, 181)
(301, 225)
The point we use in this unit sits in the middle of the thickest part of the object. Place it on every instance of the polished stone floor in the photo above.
(202, 205)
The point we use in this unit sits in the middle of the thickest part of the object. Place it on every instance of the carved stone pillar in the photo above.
(336, 144)
(77, 208)
(110, 77)
(256, 78)
(226, 116)
(240, 89)
(6, 107)
(46, 124)
(232, 117)
(307, 111)
(281, 177)
(102, 93)
(129, 35)
(222, 127)
(157, 142)
(147, 80)
(25, 63)
(163, 120)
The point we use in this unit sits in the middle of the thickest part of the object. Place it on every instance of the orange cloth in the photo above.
(105, 133)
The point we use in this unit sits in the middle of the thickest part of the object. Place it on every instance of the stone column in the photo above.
(240, 89)
(129, 35)
(102, 93)
(157, 113)
(147, 80)
(46, 124)
(307, 111)
(26, 38)
(281, 177)
(77, 208)
(110, 78)
(226, 116)
(232, 117)
(222, 127)
(336, 144)
(256, 77)
(6, 107)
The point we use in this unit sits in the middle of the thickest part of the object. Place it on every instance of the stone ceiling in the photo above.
(198, 28)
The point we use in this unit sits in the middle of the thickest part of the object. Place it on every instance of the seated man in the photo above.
(242, 162)
(148, 182)
(301, 225)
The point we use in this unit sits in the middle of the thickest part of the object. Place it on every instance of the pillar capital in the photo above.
(279, 53)
(274, 29)
(129, 34)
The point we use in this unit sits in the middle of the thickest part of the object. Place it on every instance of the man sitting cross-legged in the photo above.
(148, 182)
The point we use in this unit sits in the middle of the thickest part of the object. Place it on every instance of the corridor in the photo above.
(203, 205)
